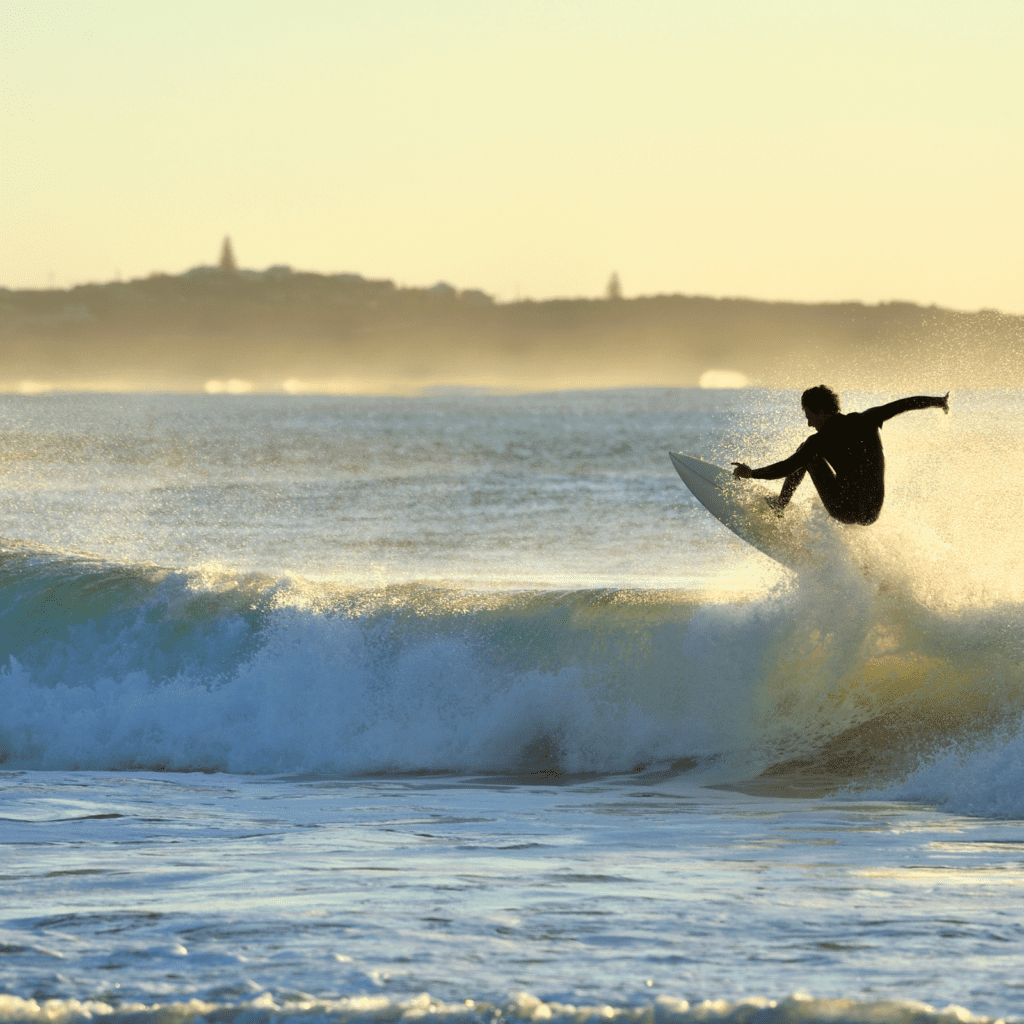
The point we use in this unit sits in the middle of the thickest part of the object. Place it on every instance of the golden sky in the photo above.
(777, 149)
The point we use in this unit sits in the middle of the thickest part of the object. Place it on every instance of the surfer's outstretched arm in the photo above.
(793, 469)
(800, 459)
(744, 472)
(881, 413)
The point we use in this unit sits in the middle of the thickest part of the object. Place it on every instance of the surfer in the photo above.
(845, 457)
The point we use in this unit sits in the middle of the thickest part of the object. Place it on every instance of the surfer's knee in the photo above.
(854, 516)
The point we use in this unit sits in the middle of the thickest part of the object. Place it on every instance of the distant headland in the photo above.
(221, 328)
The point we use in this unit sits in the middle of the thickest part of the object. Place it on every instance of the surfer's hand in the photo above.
(775, 503)
(742, 470)
(945, 403)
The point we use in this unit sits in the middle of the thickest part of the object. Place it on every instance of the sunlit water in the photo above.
(460, 706)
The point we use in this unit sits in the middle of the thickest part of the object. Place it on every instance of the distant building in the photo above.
(614, 288)
(227, 257)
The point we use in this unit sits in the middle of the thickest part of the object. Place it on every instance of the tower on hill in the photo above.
(227, 257)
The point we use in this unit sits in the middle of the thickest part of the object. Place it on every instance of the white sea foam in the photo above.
(521, 1007)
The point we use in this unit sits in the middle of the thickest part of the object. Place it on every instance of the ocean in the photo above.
(460, 707)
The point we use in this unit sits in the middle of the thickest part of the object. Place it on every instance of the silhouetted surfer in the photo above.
(845, 457)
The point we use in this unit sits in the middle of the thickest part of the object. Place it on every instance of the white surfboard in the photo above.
(740, 505)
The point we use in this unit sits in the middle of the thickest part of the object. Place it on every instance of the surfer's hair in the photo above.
(820, 399)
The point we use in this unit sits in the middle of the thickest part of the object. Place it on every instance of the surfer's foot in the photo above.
(775, 504)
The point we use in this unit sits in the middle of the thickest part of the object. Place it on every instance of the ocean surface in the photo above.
(459, 706)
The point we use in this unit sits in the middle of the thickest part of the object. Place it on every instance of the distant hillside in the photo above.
(304, 331)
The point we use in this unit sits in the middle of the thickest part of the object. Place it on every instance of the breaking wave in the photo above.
(114, 667)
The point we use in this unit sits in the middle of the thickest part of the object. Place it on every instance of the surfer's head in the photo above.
(819, 403)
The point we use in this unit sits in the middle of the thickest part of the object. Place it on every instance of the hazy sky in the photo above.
(775, 149)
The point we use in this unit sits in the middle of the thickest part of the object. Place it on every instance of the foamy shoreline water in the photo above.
(521, 1007)
(141, 891)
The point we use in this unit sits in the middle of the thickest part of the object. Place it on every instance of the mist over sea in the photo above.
(338, 708)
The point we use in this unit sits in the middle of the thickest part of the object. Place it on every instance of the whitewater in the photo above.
(337, 708)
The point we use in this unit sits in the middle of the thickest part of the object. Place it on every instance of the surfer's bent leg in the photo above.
(824, 478)
(859, 507)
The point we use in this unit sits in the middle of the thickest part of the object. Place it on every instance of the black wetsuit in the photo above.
(846, 461)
